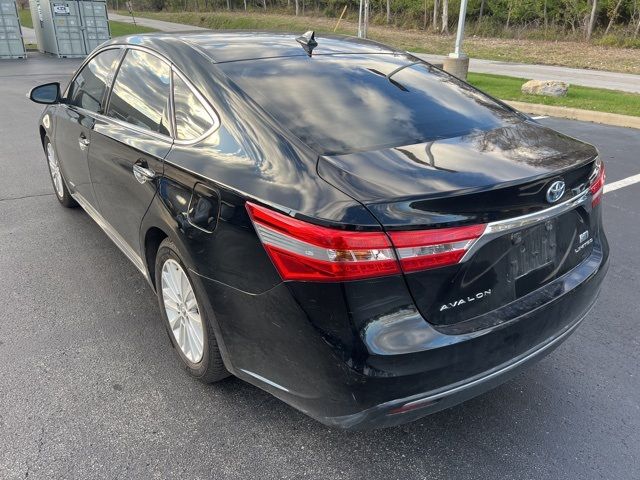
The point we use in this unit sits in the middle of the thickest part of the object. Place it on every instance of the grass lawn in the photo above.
(25, 17)
(117, 28)
(508, 88)
(121, 28)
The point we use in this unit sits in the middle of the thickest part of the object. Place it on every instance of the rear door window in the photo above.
(192, 118)
(140, 94)
(88, 88)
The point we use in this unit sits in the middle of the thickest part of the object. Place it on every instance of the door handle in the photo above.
(143, 174)
(83, 142)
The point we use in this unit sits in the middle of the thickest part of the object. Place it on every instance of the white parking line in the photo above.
(625, 182)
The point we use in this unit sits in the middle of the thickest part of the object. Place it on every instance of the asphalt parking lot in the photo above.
(89, 386)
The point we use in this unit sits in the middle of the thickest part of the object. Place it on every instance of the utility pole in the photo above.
(363, 18)
(366, 17)
(457, 63)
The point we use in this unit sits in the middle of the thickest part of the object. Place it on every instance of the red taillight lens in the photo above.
(423, 249)
(303, 251)
(597, 184)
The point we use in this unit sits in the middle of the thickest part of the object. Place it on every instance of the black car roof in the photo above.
(234, 45)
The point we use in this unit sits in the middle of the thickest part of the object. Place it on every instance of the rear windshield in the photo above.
(345, 103)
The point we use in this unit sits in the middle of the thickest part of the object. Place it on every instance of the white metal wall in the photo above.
(11, 42)
(70, 28)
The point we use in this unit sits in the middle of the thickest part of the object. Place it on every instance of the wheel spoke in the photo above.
(190, 302)
(168, 279)
(174, 319)
(169, 294)
(185, 288)
(183, 337)
(192, 347)
(196, 333)
(170, 303)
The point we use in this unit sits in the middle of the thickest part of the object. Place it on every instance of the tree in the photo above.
(388, 11)
(436, 6)
(613, 17)
(297, 8)
(445, 16)
(426, 16)
(592, 19)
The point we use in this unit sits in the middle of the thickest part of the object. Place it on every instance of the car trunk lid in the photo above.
(484, 178)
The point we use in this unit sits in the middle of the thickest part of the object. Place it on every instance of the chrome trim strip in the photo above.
(172, 106)
(128, 126)
(87, 60)
(500, 227)
(115, 237)
(265, 380)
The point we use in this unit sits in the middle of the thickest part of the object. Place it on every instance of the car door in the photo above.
(130, 141)
(76, 117)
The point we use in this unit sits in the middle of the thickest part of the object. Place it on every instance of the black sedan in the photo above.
(336, 222)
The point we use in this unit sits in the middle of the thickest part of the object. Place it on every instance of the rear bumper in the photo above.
(359, 355)
(403, 410)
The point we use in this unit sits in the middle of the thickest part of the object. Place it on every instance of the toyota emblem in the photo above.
(556, 191)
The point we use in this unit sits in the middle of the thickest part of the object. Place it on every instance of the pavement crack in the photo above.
(26, 196)
(38, 453)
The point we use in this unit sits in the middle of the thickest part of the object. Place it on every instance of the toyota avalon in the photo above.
(339, 223)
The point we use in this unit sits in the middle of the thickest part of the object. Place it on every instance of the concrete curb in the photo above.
(577, 114)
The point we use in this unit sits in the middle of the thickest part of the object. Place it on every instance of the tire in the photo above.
(208, 366)
(57, 179)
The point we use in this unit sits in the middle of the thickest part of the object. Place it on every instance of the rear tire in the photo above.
(185, 317)
(57, 179)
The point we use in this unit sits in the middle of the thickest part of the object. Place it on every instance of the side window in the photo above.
(140, 94)
(87, 90)
(192, 118)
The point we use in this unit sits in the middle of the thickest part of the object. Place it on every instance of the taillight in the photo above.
(424, 249)
(303, 251)
(597, 183)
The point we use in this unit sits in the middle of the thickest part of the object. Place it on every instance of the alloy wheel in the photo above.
(182, 311)
(54, 169)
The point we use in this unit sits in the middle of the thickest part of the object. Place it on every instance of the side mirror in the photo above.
(49, 93)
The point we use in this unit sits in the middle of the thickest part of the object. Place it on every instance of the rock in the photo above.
(548, 88)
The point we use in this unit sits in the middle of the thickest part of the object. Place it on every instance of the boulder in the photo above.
(548, 88)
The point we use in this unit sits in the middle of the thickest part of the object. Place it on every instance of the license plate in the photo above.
(533, 248)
